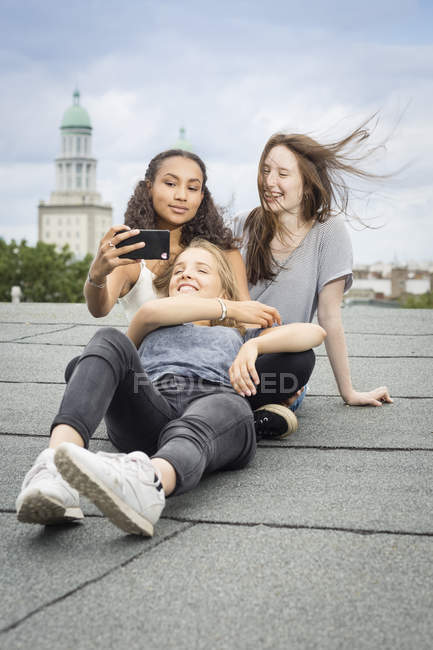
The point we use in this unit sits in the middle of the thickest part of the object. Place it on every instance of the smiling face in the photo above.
(282, 181)
(196, 273)
(176, 192)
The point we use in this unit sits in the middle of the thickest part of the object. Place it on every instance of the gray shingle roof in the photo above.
(325, 541)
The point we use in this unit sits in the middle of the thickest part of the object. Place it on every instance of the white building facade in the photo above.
(75, 214)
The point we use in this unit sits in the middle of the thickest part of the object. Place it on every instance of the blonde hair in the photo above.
(228, 283)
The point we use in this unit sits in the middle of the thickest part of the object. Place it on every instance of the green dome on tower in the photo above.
(182, 142)
(76, 117)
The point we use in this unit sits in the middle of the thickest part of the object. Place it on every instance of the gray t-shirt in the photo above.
(193, 351)
(324, 255)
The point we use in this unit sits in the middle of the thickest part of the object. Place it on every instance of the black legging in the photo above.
(196, 426)
(281, 376)
(202, 429)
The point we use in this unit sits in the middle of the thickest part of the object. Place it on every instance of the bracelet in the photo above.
(223, 309)
(93, 283)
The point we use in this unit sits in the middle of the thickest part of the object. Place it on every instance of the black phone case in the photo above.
(157, 245)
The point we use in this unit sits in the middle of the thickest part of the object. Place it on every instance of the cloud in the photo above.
(232, 75)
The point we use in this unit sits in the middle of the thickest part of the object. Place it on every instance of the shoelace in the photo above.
(42, 468)
(260, 424)
(133, 466)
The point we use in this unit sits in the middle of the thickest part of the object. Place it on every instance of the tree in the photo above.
(43, 274)
(423, 301)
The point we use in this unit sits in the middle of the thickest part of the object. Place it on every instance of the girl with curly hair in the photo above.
(172, 196)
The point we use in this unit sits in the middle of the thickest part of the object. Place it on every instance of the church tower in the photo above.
(182, 142)
(75, 213)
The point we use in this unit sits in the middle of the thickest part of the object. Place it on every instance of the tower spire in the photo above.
(182, 142)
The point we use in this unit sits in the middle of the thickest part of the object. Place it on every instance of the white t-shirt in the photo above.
(324, 255)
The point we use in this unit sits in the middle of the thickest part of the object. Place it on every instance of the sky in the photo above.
(231, 73)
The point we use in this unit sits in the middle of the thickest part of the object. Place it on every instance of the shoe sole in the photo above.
(117, 511)
(38, 508)
(284, 411)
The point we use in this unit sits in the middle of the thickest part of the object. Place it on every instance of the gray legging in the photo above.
(197, 426)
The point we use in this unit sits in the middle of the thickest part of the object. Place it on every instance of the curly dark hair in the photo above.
(207, 223)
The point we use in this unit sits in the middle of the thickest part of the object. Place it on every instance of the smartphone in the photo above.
(157, 245)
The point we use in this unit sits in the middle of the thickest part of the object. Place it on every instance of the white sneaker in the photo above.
(45, 497)
(124, 487)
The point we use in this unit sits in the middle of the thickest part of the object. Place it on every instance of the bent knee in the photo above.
(112, 337)
(109, 334)
(70, 368)
(110, 344)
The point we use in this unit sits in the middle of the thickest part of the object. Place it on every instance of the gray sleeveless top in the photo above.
(324, 255)
(193, 351)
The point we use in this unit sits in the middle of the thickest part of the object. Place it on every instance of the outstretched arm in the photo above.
(329, 316)
(187, 309)
(295, 337)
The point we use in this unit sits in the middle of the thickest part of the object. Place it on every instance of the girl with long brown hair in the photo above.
(296, 245)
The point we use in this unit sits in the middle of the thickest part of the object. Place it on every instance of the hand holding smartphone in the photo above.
(157, 245)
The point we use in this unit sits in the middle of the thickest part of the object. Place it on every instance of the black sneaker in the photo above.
(274, 422)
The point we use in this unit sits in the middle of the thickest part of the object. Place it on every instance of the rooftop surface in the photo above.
(324, 541)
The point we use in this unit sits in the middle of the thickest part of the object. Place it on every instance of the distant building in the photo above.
(398, 281)
(382, 287)
(182, 142)
(390, 281)
(75, 213)
(380, 270)
(361, 271)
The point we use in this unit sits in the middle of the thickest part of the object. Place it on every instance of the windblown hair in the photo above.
(325, 193)
(230, 290)
(207, 223)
